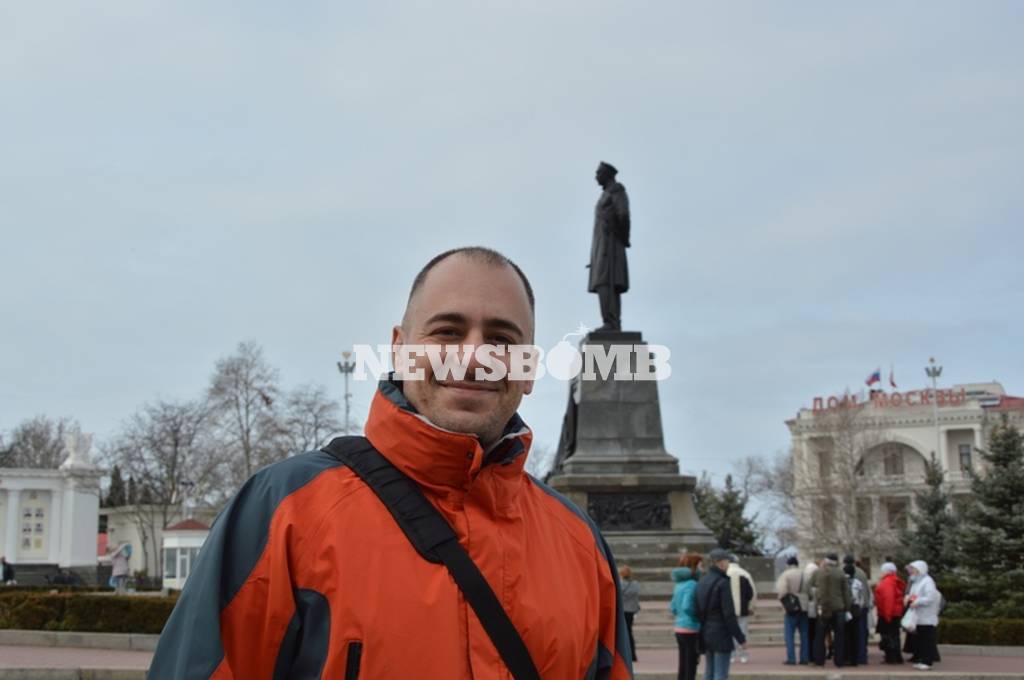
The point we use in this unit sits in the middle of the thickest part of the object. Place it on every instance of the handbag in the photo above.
(909, 620)
(791, 602)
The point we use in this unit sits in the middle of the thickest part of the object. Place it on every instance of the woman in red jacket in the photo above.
(889, 600)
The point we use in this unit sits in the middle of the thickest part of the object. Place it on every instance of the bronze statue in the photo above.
(609, 276)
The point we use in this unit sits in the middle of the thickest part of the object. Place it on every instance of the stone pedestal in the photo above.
(612, 460)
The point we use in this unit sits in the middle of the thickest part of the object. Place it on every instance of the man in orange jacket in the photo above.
(306, 574)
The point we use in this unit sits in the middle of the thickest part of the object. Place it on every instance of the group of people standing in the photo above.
(831, 607)
(711, 609)
(828, 605)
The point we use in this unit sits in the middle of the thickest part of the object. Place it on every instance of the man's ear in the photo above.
(397, 339)
(528, 387)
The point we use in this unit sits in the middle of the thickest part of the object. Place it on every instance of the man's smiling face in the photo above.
(466, 300)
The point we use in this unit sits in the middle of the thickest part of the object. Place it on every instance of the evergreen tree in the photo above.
(722, 511)
(991, 542)
(705, 501)
(116, 492)
(933, 525)
(131, 496)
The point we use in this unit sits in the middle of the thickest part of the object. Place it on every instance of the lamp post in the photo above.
(346, 367)
(933, 371)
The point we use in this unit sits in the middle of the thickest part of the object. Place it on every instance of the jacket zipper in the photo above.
(353, 660)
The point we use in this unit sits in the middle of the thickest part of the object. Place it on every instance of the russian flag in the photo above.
(874, 377)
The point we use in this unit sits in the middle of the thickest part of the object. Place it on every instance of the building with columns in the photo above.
(858, 460)
(49, 518)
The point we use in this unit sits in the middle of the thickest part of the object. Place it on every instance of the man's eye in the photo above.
(446, 332)
(501, 340)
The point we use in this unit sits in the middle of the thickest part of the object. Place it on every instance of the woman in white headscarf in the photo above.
(924, 598)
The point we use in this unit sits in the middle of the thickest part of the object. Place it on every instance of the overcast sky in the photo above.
(818, 189)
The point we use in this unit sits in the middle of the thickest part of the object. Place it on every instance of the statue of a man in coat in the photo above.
(609, 276)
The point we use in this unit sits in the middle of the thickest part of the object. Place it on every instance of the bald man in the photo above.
(307, 574)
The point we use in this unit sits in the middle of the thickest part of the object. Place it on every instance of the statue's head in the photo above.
(605, 173)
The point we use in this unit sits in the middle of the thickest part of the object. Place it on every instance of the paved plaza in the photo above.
(33, 663)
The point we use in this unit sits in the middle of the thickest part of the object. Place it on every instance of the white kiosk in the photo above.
(181, 544)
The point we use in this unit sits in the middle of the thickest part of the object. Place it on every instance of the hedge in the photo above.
(982, 631)
(86, 613)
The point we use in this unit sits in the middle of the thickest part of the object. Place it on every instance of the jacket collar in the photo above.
(435, 458)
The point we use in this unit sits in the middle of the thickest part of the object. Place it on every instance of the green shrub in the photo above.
(84, 612)
(981, 631)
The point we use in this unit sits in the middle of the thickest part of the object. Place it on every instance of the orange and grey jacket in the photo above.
(305, 573)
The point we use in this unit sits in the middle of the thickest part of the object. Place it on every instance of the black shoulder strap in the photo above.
(435, 540)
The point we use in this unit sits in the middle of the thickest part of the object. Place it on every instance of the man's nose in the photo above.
(474, 338)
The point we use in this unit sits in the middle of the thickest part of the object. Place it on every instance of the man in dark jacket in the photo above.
(832, 593)
(717, 615)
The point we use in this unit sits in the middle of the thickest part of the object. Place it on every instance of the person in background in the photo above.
(925, 599)
(119, 567)
(683, 606)
(792, 583)
(889, 602)
(812, 602)
(860, 645)
(833, 595)
(852, 625)
(7, 572)
(744, 597)
(630, 602)
(717, 615)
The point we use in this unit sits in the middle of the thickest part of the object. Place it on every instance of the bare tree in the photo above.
(309, 418)
(37, 443)
(770, 482)
(832, 485)
(244, 394)
(167, 450)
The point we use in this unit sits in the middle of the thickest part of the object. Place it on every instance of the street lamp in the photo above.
(346, 367)
(933, 371)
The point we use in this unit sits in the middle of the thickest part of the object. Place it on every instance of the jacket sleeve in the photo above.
(675, 605)
(928, 594)
(237, 610)
(729, 613)
(881, 601)
(614, 657)
(688, 605)
(782, 585)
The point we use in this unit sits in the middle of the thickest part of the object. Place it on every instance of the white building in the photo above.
(858, 461)
(49, 518)
(143, 526)
(181, 544)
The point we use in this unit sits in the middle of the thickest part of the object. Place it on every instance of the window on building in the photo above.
(170, 562)
(893, 462)
(828, 516)
(896, 509)
(824, 464)
(965, 456)
(865, 518)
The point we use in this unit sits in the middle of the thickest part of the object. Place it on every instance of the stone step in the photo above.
(667, 560)
(666, 638)
(656, 615)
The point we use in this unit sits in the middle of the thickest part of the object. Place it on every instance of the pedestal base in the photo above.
(613, 464)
